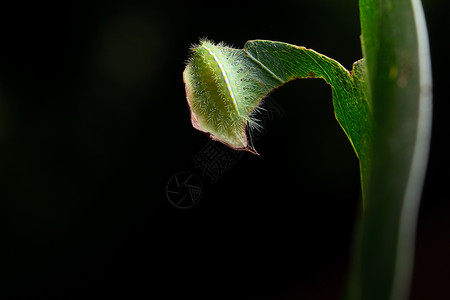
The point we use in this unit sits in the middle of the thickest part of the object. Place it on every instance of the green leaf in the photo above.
(383, 106)
(395, 47)
(224, 86)
(351, 107)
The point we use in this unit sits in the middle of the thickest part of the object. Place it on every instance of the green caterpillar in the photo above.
(223, 89)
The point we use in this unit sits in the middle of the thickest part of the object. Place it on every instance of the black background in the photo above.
(94, 122)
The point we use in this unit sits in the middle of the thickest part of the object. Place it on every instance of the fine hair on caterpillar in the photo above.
(223, 93)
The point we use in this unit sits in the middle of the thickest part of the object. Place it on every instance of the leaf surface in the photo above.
(395, 47)
(214, 81)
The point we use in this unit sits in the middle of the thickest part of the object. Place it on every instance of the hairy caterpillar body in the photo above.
(222, 93)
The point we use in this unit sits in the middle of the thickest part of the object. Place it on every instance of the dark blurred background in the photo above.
(94, 123)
